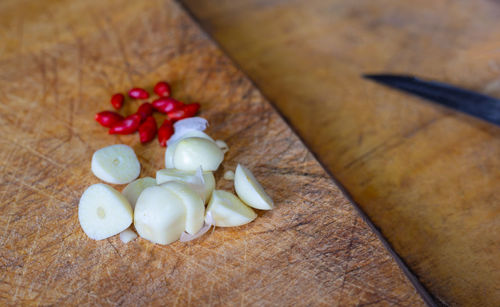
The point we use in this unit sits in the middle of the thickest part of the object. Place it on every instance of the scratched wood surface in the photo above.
(427, 176)
(59, 63)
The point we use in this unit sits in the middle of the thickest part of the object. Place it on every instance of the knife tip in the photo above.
(386, 77)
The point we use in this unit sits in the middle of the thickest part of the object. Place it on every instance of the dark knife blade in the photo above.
(466, 101)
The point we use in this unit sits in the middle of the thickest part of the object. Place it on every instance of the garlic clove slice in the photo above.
(103, 212)
(191, 153)
(195, 208)
(175, 138)
(159, 215)
(191, 178)
(116, 164)
(135, 188)
(250, 191)
(228, 211)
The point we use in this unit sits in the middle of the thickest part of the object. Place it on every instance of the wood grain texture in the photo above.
(59, 63)
(427, 176)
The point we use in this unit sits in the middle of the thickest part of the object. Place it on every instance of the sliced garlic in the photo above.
(103, 212)
(195, 208)
(116, 164)
(159, 215)
(222, 145)
(172, 142)
(191, 153)
(127, 235)
(250, 191)
(203, 188)
(229, 175)
(228, 211)
(135, 188)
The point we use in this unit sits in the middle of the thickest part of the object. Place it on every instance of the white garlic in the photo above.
(116, 164)
(250, 191)
(195, 208)
(135, 188)
(103, 212)
(159, 215)
(203, 186)
(228, 211)
(191, 153)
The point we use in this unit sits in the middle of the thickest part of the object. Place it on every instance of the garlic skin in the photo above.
(116, 164)
(135, 188)
(189, 124)
(174, 140)
(204, 189)
(159, 215)
(186, 237)
(195, 208)
(250, 191)
(191, 153)
(103, 212)
(228, 211)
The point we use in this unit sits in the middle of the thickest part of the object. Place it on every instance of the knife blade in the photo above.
(479, 105)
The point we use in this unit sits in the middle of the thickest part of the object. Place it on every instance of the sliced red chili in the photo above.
(147, 130)
(165, 132)
(162, 89)
(108, 118)
(127, 126)
(166, 104)
(138, 93)
(146, 109)
(117, 100)
(188, 110)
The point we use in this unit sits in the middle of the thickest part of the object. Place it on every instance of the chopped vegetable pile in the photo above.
(172, 205)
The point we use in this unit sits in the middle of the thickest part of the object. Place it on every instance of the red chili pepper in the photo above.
(108, 118)
(127, 126)
(147, 130)
(165, 132)
(138, 93)
(186, 111)
(162, 89)
(166, 104)
(145, 110)
(117, 100)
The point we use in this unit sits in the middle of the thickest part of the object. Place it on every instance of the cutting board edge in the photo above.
(426, 295)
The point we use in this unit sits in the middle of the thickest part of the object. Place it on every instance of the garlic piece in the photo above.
(204, 189)
(227, 210)
(159, 215)
(116, 164)
(175, 138)
(250, 191)
(103, 212)
(195, 208)
(191, 153)
(229, 175)
(127, 235)
(135, 188)
(222, 145)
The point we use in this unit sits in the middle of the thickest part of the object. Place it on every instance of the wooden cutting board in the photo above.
(427, 176)
(59, 64)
